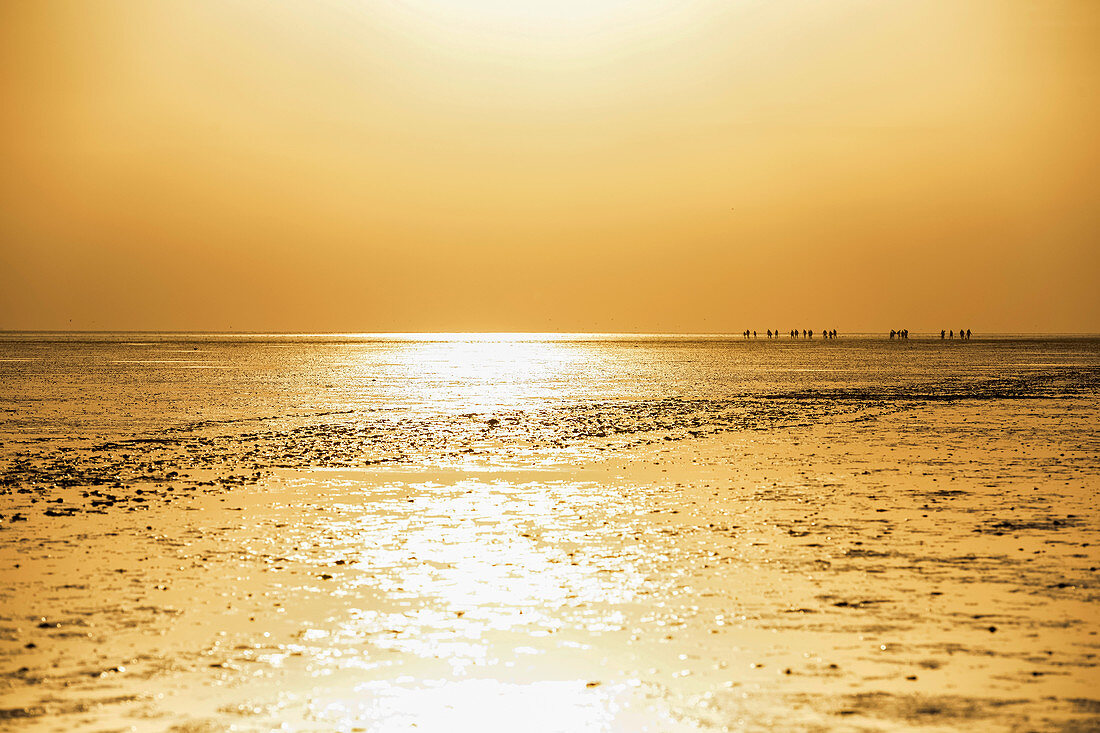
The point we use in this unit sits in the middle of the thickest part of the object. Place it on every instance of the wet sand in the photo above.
(932, 567)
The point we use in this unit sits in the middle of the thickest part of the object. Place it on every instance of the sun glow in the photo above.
(558, 20)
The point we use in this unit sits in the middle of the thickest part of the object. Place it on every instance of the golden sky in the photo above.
(550, 165)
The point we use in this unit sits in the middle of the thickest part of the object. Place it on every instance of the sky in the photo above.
(550, 165)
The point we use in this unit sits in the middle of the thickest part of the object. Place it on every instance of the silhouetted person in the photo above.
(942, 332)
(951, 334)
(891, 333)
(968, 334)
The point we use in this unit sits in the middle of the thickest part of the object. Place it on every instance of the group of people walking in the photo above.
(831, 334)
(904, 334)
(795, 333)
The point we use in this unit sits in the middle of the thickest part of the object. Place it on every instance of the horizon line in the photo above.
(262, 332)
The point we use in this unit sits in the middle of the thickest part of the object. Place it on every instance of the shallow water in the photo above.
(111, 383)
(612, 534)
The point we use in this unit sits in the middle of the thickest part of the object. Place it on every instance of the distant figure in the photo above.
(962, 334)
(951, 334)
(804, 332)
(892, 333)
(769, 333)
(968, 334)
(754, 334)
(942, 332)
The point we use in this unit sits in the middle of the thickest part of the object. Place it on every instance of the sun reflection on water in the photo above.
(472, 705)
(474, 373)
(458, 592)
(474, 559)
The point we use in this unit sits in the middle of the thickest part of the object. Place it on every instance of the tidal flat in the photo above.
(856, 575)
(886, 555)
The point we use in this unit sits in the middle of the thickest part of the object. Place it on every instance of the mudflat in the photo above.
(933, 567)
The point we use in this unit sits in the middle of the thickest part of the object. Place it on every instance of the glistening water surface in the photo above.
(121, 384)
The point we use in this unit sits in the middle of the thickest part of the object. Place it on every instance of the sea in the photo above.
(125, 384)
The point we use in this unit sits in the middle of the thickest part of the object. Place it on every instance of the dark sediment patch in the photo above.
(1037, 524)
(921, 709)
(54, 708)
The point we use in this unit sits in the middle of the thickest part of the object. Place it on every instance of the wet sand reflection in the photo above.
(840, 576)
